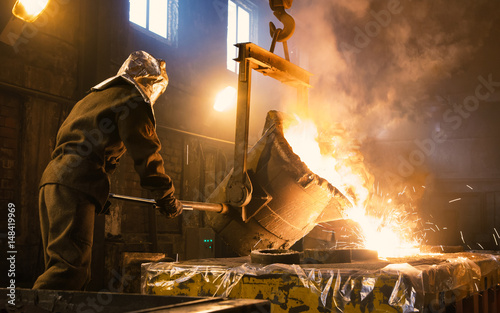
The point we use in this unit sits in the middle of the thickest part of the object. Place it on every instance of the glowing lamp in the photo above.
(225, 99)
(29, 10)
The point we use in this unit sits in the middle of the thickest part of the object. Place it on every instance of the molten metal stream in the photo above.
(332, 159)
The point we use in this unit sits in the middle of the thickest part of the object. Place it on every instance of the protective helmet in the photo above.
(145, 72)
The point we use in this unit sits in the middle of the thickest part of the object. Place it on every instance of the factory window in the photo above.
(156, 16)
(240, 24)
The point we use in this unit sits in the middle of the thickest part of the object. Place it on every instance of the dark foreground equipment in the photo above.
(41, 301)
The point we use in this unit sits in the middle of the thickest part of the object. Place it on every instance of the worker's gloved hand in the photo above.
(169, 206)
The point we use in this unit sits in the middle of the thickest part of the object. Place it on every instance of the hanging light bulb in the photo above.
(29, 10)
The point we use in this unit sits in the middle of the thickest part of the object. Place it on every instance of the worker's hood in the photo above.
(145, 72)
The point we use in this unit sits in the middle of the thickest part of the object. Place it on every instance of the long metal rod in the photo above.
(158, 125)
(35, 93)
(221, 208)
(60, 99)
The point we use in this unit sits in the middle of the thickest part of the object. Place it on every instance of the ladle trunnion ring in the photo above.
(287, 199)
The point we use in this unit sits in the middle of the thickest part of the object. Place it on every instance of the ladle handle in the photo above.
(221, 208)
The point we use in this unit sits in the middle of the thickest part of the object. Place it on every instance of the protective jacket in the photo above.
(97, 132)
(117, 115)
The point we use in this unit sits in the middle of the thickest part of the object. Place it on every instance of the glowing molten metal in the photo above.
(332, 157)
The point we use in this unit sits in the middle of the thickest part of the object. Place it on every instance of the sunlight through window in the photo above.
(138, 12)
(157, 16)
(238, 30)
(243, 25)
(158, 12)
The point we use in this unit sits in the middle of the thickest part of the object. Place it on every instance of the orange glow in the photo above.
(29, 10)
(225, 99)
(337, 159)
(336, 167)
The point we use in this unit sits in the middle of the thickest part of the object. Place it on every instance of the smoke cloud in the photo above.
(378, 64)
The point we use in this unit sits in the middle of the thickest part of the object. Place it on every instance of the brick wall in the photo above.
(9, 152)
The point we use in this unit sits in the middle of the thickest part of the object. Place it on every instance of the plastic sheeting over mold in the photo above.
(416, 284)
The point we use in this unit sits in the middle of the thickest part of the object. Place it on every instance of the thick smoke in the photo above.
(378, 64)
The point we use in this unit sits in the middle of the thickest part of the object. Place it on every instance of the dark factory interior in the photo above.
(403, 95)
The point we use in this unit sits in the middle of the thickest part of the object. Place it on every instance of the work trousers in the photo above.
(67, 226)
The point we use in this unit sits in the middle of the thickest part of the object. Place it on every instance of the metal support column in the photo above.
(252, 57)
(239, 189)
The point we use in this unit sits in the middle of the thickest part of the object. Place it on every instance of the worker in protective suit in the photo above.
(117, 115)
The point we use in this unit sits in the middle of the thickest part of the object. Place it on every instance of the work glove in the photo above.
(169, 206)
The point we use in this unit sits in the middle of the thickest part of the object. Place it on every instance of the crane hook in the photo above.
(278, 7)
(281, 34)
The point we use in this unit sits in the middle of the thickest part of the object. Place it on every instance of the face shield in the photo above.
(146, 73)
